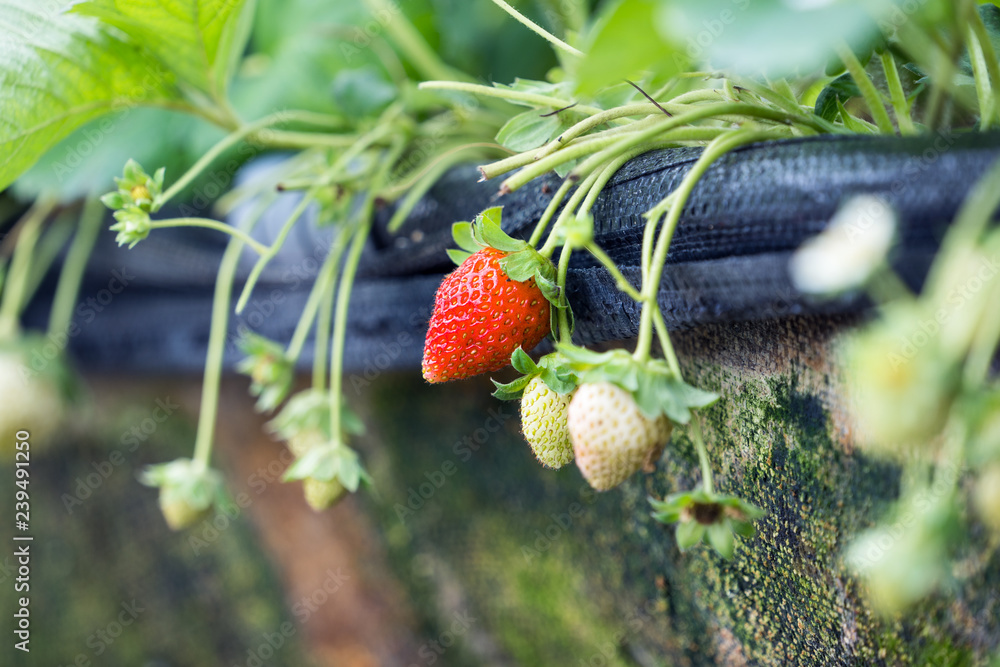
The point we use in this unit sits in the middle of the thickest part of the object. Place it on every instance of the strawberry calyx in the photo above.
(552, 369)
(322, 459)
(657, 389)
(712, 517)
(521, 262)
(189, 489)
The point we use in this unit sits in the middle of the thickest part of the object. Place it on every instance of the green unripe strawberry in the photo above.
(321, 494)
(611, 437)
(180, 513)
(543, 421)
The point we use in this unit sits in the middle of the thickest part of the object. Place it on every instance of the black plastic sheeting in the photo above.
(148, 309)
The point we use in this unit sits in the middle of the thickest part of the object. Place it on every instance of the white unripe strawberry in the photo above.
(31, 402)
(611, 437)
(543, 422)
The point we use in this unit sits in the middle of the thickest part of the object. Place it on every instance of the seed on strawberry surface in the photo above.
(611, 437)
(543, 421)
(480, 317)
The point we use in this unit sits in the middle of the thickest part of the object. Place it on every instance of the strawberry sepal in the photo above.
(654, 386)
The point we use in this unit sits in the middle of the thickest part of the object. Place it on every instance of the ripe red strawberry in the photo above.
(480, 317)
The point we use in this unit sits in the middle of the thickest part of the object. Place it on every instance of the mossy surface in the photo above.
(560, 575)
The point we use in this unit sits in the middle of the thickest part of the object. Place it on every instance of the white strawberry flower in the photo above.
(848, 251)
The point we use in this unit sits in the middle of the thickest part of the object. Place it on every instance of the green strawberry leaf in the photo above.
(520, 266)
(560, 382)
(656, 389)
(522, 363)
(458, 256)
(529, 130)
(550, 289)
(689, 534)
(840, 89)
(461, 232)
(60, 71)
(512, 390)
(743, 528)
(625, 43)
(486, 231)
(200, 40)
(362, 92)
(720, 536)
(853, 123)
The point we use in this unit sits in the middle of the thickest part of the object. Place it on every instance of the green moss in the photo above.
(787, 596)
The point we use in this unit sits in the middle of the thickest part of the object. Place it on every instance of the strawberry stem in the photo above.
(221, 301)
(699, 444)
(360, 236)
(73, 268)
(565, 332)
(674, 205)
(16, 285)
(320, 292)
(538, 30)
(207, 223)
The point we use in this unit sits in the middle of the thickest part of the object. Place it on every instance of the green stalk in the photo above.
(550, 210)
(204, 438)
(665, 343)
(620, 281)
(872, 97)
(320, 289)
(592, 122)
(304, 140)
(412, 43)
(565, 333)
(677, 200)
(425, 180)
(16, 283)
(982, 77)
(508, 95)
(989, 56)
(568, 212)
(208, 223)
(71, 274)
(897, 95)
(324, 322)
(218, 149)
(706, 463)
(984, 345)
(271, 251)
(346, 285)
(607, 149)
(538, 30)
